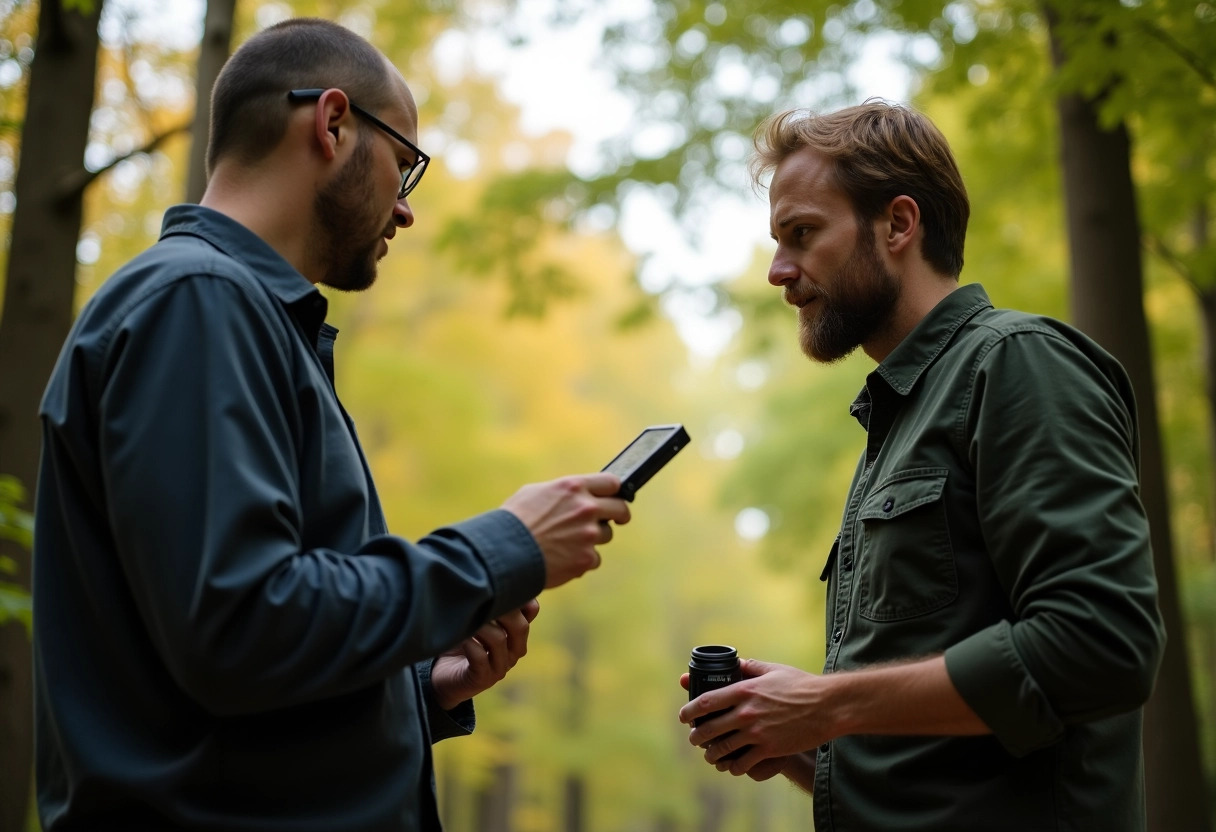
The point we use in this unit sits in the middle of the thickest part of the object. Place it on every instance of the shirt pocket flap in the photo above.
(904, 492)
(827, 567)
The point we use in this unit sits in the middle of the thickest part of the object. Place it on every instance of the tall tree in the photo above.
(1106, 279)
(38, 303)
(213, 52)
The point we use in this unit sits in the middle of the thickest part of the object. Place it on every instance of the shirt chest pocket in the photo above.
(906, 567)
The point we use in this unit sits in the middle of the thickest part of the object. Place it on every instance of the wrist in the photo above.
(447, 701)
(843, 703)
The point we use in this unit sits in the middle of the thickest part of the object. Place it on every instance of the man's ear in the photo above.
(331, 121)
(903, 223)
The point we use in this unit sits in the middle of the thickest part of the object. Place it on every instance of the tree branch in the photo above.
(1157, 246)
(1188, 57)
(74, 183)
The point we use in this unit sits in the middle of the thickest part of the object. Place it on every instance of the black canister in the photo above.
(712, 666)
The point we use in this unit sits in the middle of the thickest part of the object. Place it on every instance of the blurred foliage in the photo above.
(16, 525)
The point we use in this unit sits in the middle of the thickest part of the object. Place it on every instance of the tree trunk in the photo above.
(39, 292)
(1207, 318)
(213, 51)
(495, 801)
(713, 809)
(1107, 303)
(574, 791)
(574, 804)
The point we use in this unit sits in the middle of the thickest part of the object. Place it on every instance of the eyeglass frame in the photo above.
(408, 180)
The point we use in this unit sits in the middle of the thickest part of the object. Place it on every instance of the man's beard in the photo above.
(342, 211)
(858, 303)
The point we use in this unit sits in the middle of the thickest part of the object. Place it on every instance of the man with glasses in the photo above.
(227, 637)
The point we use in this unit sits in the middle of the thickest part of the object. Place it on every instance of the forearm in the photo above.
(800, 770)
(906, 699)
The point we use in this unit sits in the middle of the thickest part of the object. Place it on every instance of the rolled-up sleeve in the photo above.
(1056, 467)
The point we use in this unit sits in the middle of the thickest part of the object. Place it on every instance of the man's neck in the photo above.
(278, 211)
(918, 297)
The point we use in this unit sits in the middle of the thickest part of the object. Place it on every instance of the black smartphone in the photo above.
(644, 456)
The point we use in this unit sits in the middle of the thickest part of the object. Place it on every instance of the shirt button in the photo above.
(838, 635)
(889, 504)
(824, 748)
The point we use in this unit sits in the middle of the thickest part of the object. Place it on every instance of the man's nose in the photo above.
(403, 215)
(782, 271)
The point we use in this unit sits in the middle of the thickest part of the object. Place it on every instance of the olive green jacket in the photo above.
(995, 517)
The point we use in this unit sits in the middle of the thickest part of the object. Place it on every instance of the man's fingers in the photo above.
(493, 639)
(611, 508)
(602, 484)
(725, 750)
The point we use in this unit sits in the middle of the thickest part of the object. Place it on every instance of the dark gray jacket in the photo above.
(226, 636)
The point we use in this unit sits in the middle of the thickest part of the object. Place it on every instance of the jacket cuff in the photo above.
(511, 555)
(990, 675)
(458, 722)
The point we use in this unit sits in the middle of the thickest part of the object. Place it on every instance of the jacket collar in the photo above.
(917, 352)
(921, 347)
(235, 240)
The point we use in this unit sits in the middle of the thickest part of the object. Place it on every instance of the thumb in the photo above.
(754, 667)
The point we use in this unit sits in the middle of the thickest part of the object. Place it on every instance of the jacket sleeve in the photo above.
(198, 433)
(1051, 433)
(458, 722)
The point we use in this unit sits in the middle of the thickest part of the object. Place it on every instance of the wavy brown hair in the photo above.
(879, 151)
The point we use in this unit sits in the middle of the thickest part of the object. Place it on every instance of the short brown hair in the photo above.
(249, 107)
(879, 151)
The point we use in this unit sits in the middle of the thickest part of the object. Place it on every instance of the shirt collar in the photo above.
(282, 280)
(921, 347)
(929, 338)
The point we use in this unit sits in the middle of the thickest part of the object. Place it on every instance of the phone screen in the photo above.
(638, 451)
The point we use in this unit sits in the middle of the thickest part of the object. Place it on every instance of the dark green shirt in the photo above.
(226, 636)
(995, 517)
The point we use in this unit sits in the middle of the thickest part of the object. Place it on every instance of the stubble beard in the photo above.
(859, 304)
(341, 211)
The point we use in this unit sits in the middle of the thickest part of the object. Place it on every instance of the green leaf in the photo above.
(84, 7)
(15, 603)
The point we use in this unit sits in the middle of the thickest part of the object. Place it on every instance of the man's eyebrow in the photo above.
(790, 218)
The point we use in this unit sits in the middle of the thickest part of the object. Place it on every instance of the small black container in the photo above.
(712, 666)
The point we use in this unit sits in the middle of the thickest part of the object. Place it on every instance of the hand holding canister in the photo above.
(712, 666)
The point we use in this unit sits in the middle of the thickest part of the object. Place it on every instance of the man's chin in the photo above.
(822, 350)
(355, 279)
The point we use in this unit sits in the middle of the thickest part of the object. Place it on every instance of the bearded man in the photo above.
(992, 624)
(227, 637)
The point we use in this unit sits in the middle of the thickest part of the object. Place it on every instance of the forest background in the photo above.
(524, 329)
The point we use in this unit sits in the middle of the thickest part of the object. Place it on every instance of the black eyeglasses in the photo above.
(411, 175)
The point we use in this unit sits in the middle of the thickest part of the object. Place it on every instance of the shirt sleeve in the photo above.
(199, 443)
(1052, 437)
(458, 722)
